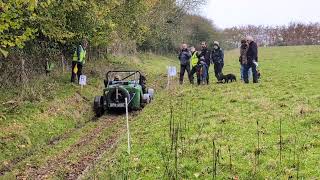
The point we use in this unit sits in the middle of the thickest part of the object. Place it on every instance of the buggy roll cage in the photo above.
(132, 73)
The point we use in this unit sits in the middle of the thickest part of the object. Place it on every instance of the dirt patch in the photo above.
(78, 168)
(73, 169)
(52, 111)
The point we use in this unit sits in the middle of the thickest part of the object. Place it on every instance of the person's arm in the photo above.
(211, 57)
(255, 52)
(84, 56)
(179, 56)
(198, 57)
(222, 56)
(198, 54)
(189, 54)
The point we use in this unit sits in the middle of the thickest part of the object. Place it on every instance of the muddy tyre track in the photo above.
(73, 170)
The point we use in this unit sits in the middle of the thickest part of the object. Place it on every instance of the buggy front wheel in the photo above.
(98, 106)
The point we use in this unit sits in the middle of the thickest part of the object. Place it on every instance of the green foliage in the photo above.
(14, 27)
(155, 24)
(199, 29)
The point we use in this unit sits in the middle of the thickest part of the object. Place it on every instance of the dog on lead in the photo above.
(227, 78)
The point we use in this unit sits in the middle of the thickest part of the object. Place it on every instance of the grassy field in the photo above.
(269, 130)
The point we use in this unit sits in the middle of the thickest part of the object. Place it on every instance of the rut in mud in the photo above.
(73, 169)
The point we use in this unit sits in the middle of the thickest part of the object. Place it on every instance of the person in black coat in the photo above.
(217, 57)
(252, 59)
(184, 57)
(204, 56)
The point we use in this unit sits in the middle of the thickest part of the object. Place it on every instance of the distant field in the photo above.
(230, 130)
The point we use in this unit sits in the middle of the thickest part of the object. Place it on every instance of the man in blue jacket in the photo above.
(184, 57)
(252, 59)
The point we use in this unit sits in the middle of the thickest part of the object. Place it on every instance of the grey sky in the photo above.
(228, 13)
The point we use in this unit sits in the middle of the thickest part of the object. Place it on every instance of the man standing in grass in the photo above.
(184, 58)
(217, 56)
(205, 58)
(78, 60)
(252, 59)
(243, 58)
(194, 63)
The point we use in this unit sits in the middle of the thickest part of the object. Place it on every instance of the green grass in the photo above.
(227, 114)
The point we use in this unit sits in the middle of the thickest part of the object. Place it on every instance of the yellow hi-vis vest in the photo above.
(81, 59)
(194, 59)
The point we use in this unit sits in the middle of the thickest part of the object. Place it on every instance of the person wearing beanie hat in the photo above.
(217, 56)
(252, 59)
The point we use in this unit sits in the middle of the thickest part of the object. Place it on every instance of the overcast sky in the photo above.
(228, 13)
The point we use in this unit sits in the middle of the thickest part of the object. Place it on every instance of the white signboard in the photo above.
(172, 71)
(83, 80)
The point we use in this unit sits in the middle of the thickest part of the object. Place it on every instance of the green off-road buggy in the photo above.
(120, 85)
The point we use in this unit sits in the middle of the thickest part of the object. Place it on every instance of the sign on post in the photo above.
(172, 72)
(83, 80)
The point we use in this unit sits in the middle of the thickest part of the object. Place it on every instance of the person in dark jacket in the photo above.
(243, 57)
(204, 57)
(184, 57)
(217, 56)
(252, 59)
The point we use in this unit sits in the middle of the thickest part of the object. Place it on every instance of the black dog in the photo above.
(227, 78)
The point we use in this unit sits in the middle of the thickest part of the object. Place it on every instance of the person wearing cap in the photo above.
(252, 59)
(184, 57)
(204, 57)
(217, 56)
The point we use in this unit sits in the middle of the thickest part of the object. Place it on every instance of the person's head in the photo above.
(249, 39)
(243, 41)
(184, 46)
(192, 49)
(117, 78)
(204, 45)
(216, 45)
(84, 43)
